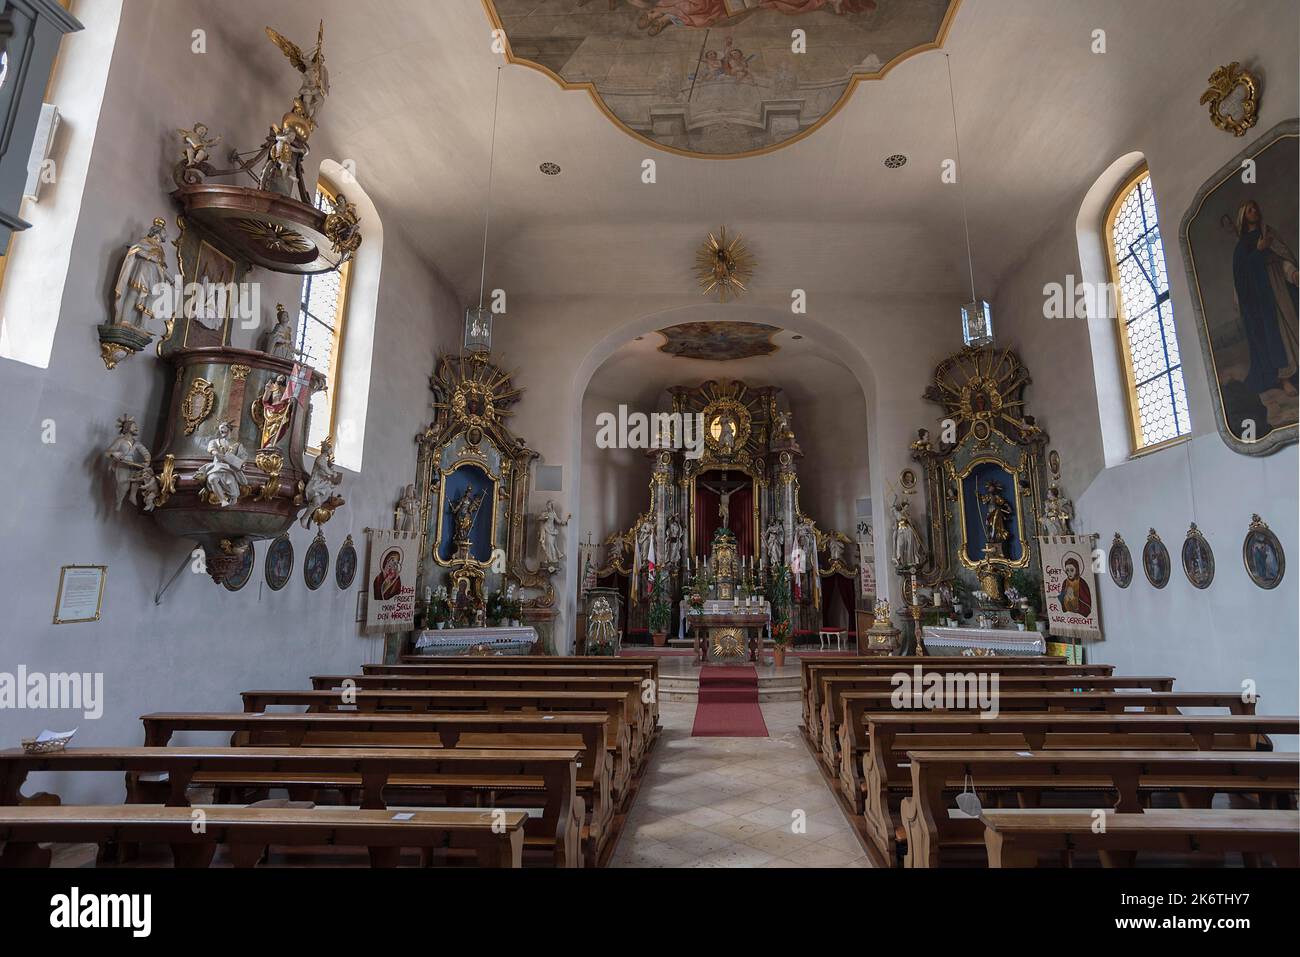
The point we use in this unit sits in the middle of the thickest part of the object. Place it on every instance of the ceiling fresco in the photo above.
(718, 78)
(719, 341)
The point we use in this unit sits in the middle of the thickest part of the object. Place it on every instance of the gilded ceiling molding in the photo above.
(940, 38)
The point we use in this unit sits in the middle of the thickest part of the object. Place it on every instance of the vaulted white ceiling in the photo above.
(1040, 117)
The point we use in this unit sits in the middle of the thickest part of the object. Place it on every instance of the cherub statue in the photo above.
(144, 268)
(407, 517)
(129, 461)
(198, 145)
(318, 494)
(549, 526)
(279, 340)
(224, 477)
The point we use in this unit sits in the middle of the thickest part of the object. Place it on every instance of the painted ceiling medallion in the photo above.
(719, 78)
(724, 264)
(719, 341)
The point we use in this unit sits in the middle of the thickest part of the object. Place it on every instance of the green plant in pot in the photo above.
(660, 612)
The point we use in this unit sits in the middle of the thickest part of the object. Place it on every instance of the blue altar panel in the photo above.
(975, 483)
(468, 476)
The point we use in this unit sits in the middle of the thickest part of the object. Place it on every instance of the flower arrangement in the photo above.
(781, 633)
(439, 610)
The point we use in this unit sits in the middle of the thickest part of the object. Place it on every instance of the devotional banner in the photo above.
(1070, 586)
(393, 558)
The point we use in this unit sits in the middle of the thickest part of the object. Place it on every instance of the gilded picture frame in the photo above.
(1156, 564)
(240, 576)
(1263, 555)
(1198, 558)
(66, 612)
(1120, 562)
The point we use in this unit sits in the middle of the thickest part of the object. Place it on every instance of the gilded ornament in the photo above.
(723, 264)
(1243, 108)
(198, 404)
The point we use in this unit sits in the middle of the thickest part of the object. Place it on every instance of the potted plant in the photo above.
(660, 612)
(439, 609)
(780, 641)
(1029, 590)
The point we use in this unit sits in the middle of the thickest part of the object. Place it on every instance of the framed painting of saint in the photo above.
(1198, 558)
(345, 565)
(1240, 240)
(316, 563)
(1120, 561)
(1155, 560)
(240, 576)
(1263, 555)
(279, 563)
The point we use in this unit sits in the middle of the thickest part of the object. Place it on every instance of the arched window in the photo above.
(1153, 369)
(322, 313)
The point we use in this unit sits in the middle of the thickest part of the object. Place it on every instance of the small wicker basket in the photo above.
(32, 746)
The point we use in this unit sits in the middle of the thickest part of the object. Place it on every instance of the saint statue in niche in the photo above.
(273, 410)
(464, 510)
(997, 514)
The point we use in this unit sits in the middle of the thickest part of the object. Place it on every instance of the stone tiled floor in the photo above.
(731, 802)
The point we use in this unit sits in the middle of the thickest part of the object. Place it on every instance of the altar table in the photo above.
(982, 641)
(458, 641)
(711, 626)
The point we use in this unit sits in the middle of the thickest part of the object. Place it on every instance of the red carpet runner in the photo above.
(728, 704)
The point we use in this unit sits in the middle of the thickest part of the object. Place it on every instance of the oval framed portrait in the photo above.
(1198, 558)
(1263, 555)
(240, 576)
(345, 565)
(1120, 560)
(279, 563)
(316, 563)
(1155, 560)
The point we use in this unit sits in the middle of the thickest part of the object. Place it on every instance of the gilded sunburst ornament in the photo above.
(724, 264)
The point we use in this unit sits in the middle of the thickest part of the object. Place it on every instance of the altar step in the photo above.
(771, 687)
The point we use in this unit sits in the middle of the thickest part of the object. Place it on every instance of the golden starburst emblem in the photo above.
(724, 264)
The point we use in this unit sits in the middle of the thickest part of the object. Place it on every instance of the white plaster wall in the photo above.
(202, 645)
(1212, 639)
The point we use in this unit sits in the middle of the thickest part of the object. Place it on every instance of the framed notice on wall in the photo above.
(81, 593)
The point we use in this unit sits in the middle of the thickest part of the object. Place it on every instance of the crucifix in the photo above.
(724, 490)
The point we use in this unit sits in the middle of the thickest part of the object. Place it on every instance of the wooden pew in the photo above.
(856, 706)
(888, 779)
(631, 685)
(827, 742)
(553, 667)
(452, 771)
(849, 664)
(1017, 840)
(822, 678)
(513, 731)
(1037, 778)
(496, 839)
(619, 705)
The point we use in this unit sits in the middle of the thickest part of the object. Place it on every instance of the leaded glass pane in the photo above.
(1149, 339)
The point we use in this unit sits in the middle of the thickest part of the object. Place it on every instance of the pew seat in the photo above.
(497, 839)
(1016, 839)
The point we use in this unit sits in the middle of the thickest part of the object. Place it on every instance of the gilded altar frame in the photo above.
(461, 462)
(1021, 474)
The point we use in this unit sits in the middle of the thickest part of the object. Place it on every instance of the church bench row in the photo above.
(626, 708)
(887, 776)
(1020, 840)
(858, 706)
(820, 677)
(642, 689)
(598, 757)
(811, 668)
(452, 774)
(826, 736)
(934, 829)
(496, 839)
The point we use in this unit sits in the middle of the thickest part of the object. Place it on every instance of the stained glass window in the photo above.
(320, 332)
(1152, 366)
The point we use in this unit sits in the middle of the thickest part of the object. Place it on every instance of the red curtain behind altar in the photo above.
(706, 513)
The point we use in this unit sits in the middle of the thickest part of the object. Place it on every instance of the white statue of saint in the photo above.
(224, 476)
(279, 340)
(549, 526)
(1058, 512)
(673, 537)
(129, 461)
(144, 269)
(324, 479)
(407, 518)
(909, 550)
(774, 543)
